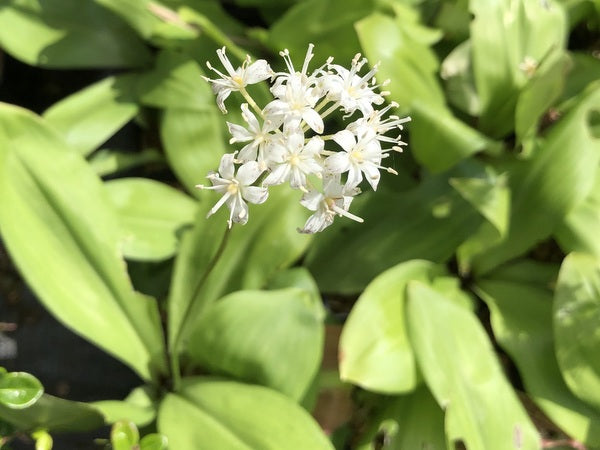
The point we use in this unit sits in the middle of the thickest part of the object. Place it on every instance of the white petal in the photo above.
(255, 194)
(250, 119)
(276, 108)
(297, 178)
(345, 139)
(338, 163)
(238, 133)
(226, 168)
(317, 222)
(354, 177)
(257, 71)
(239, 212)
(314, 146)
(277, 176)
(248, 173)
(313, 120)
(311, 200)
(372, 174)
(248, 152)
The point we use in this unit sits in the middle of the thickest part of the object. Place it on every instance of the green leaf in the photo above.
(326, 23)
(584, 71)
(578, 232)
(213, 413)
(153, 216)
(154, 441)
(521, 315)
(19, 390)
(548, 186)
(193, 143)
(439, 140)
(457, 73)
(137, 408)
(481, 407)
(89, 117)
(490, 196)
(375, 353)
(507, 36)
(54, 205)
(175, 82)
(124, 435)
(53, 414)
(428, 222)
(253, 254)
(410, 65)
(272, 338)
(411, 421)
(108, 161)
(68, 34)
(576, 315)
(539, 94)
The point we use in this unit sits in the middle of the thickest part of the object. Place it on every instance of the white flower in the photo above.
(351, 90)
(236, 188)
(296, 104)
(375, 123)
(261, 136)
(359, 156)
(293, 160)
(335, 200)
(237, 79)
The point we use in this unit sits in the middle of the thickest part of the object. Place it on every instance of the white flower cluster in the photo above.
(285, 140)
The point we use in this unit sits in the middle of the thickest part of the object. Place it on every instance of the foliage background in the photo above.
(471, 291)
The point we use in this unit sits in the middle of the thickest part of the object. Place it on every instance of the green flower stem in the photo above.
(174, 355)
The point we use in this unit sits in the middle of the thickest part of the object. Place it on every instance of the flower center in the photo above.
(357, 156)
(294, 160)
(232, 188)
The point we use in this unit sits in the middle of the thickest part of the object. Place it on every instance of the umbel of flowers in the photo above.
(284, 141)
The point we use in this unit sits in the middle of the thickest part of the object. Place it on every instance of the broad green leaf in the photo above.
(54, 205)
(579, 231)
(576, 315)
(481, 407)
(521, 315)
(19, 390)
(213, 413)
(550, 184)
(540, 92)
(253, 253)
(152, 216)
(457, 73)
(428, 222)
(53, 414)
(137, 408)
(410, 65)
(439, 140)
(272, 338)
(68, 34)
(584, 71)
(108, 161)
(509, 39)
(329, 24)
(154, 441)
(89, 117)
(193, 143)
(375, 353)
(124, 435)
(490, 196)
(407, 422)
(175, 82)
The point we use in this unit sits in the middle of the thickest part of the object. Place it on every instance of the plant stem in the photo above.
(174, 354)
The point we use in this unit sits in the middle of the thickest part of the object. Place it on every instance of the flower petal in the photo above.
(345, 139)
(257, 71)
(226, 168)
(338, 162)
(313, 120)
(255, 194)
(248, 173)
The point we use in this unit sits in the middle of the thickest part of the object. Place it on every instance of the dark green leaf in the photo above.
(521, 314)
(576, 316)
(68, 34)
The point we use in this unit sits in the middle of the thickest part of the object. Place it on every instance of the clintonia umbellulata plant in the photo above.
(286, 141)
(484, 245)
